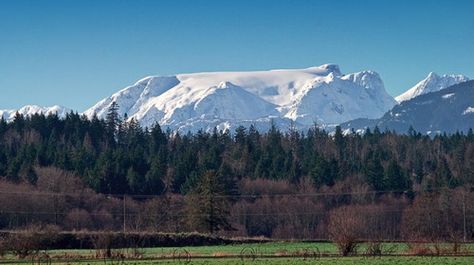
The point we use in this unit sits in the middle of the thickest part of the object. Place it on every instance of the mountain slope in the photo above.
(333, 99)
(227, 99)
(431, 83)
(448, 110)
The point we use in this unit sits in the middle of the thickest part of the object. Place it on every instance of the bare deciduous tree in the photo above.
(345, 228)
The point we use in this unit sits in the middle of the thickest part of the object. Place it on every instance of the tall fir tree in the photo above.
(208, 206)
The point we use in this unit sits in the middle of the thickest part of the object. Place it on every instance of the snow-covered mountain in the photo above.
(288, 98)
(29, 110)
(448, 110)
(431, 83)
(227, 99)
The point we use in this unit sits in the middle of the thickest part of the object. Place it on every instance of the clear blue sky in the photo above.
(75, 53)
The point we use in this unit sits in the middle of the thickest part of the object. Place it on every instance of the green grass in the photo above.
(335, 261)
(342, 261)
(259, 249)
(297, 261)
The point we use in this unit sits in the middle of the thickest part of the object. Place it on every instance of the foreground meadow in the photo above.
(289, 261)
(287, 253)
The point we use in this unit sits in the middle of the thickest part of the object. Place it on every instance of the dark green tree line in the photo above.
(118, 156)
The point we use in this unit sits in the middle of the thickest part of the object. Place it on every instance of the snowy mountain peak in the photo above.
(368, 79)
(432, 83)
(432, 75)
(144, 81)
(225, 84)
(332, 68)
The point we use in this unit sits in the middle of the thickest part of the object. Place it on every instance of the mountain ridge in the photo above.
(28, 110)
(432, 83)
(445, 111)
(296, 98)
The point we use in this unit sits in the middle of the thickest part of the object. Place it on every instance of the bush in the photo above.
(344, 227)
(32, 240)
(103, 244)
(374, 248)
(41, 240)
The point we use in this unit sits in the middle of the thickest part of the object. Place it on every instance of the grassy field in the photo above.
(258, 248)
(297, 261)
(274, 248)
(205, 254)
(261, 249)
(334, 261)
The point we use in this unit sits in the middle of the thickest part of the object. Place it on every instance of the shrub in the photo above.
(107, 241)
(103, 244)
(374, 248)
(32, 240)
(345, 224)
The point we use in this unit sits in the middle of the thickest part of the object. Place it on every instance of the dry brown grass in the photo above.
(222, 254)
(419, 249)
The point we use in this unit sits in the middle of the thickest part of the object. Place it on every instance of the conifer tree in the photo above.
(208, 206)
(374, 172)
(395, 179)
(112, 122)
(154, 177)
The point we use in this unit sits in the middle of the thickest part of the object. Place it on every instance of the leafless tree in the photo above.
(345, 228)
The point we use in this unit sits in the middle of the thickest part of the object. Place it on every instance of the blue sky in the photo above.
(75, 53)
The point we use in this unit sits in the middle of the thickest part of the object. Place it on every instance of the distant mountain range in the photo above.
(447, 110)
(225, 100)
(28, 110)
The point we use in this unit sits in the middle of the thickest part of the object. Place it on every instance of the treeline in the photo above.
(117, 157)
